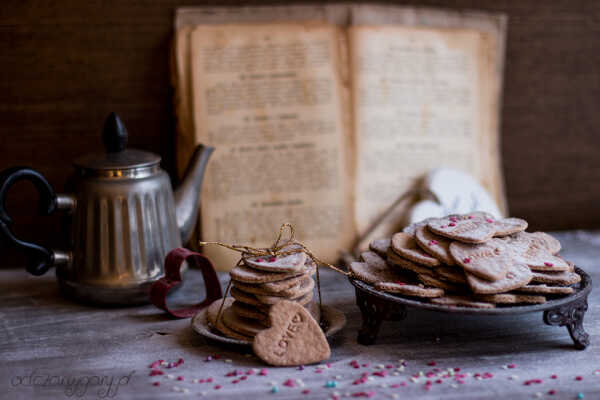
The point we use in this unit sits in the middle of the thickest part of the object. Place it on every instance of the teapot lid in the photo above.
(116, 157)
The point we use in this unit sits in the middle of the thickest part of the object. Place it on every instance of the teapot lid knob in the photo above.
(114, 134)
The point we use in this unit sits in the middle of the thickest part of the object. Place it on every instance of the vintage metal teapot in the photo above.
(125, 219)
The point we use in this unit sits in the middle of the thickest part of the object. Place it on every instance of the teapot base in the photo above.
(106, 296)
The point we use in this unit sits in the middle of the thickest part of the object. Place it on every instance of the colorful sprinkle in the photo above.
(554, 376)
(489, 220)
(579, 378)
(274, 389)
(156, 383)
(580, 396)
(432, 363)
(331, 384)
(466, 260)
(548, 264)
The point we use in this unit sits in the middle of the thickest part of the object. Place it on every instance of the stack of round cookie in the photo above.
(257, 284)
(471, 260)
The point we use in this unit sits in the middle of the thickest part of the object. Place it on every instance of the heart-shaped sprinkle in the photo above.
(294, 337)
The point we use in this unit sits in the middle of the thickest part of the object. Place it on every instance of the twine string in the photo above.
(291, 246)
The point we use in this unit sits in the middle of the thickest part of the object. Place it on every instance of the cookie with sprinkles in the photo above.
(533, 250)
(380, 246)
(461, 301)
(545, 289)
(564, 278)
(395, 260)
(435, 245)
(489, 260)
(407, 289)
(468, 228)
(282, 263)
(301, 299)
(405, 246)
(518, 275)
(510, 298)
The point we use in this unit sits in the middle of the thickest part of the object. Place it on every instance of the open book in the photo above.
(322, 116)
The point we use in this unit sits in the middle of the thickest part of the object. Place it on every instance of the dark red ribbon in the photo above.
(160, 289)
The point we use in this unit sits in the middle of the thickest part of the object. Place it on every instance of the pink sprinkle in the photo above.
(272, 259)
(466, 260)
(511, 366)
(200, 380)
(156, 383)
(155, 364)
(488, 375)
(180, 361)
(217, 387)
(438, 381)
(443, 226)
(180, 378)
(548, 264)
(453, 219)
(395, 385)
(432, 363)
(579, 378)
(470, 217)
(430, 374)
(155, 372)
(263, 372)
(209, 380)
(554, 376)
(389, 366)
(456, 369)
(243, 378)
(399, 283)
(289, 383)
(301, 368)
(259, 260)
(250, 372)
(489, 220)
(318, 371)
(306, 391)
(232, 373)
(402, 384)
(363, 394)
(433, 242)
(531, 381)
(380, 373)
(366, 364)
(451, 224)
(460, 381)
(235, 381)
(551, 392)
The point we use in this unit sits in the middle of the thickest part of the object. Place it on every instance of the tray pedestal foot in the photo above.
(571, 315)
(374, 311)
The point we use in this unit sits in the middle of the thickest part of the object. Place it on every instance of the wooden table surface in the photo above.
(51, 348)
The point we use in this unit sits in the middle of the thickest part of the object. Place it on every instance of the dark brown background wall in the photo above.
(65, 64)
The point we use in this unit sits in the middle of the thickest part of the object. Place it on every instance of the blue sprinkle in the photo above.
(580, 395)
(332, 384)
(275, 389)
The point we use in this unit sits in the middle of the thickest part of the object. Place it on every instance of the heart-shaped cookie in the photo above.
(488, 260)
(435, 245)
(535, 250)
(294, 337)
(468, 228)
(284, 263)
(405, 246)
(518, 275)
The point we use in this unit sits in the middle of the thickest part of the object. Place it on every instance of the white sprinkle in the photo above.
(228, 361)
(185, 390)
(538, 395)
(383, 385)
(396, 373)
(412, 378)
(337, 394)
(513, 377)
(395, 396)
(272, 383)
(176, 389)
(338, 377)
(454, 385)
(380, 366)
(370, 378)
(256, 370)
(170, 376)
(164, 363)
(203, 393)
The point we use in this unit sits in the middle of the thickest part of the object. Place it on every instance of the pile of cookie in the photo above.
(258, 283)
(469, 260)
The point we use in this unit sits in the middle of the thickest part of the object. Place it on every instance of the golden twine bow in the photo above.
(277, 249)
(290, 245)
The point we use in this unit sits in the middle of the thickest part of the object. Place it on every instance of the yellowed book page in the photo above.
(418, 104)
(269, 97)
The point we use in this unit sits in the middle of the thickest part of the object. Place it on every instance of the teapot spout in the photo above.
(188, 192)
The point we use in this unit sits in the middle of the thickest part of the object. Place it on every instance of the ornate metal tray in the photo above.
(377, 306)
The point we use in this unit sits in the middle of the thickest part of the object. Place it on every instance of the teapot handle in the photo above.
(39, 258)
